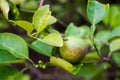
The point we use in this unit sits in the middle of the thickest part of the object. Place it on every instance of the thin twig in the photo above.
(29, 11)
(79, 11)
(24, 69)
(41, 3)
(33, 64)
(61, 22)
(93, 41)
(99, 53)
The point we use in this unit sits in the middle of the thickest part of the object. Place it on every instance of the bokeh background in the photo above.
(66, 11)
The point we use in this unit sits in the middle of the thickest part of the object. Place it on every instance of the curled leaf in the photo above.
(27, 26)
(41, 18)
(96, 11)
(73, 69)
(62, 64)
(4, 7)
(54, 39)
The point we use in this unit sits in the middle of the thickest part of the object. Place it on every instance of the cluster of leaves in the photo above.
(14, 49)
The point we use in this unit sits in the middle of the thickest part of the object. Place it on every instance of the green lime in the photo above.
(73, 49)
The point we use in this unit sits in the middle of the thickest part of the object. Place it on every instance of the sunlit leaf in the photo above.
(113, 17)
(27, 26)
(41, 18)
(4, 7)
(42, 48)
(62, 63)
(14, 45)
(59, 62)
(52, 20)
(82, 31)
(54, 39)
(116, 20)
(96, 11)
(13, 12)
(72, 30)
(25, 77)
(115, 45)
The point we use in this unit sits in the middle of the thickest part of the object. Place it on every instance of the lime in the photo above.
(73, 49)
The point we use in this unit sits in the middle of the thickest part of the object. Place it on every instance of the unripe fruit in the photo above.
(73, 49)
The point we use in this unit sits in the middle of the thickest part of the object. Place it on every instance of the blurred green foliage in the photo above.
(67, 11)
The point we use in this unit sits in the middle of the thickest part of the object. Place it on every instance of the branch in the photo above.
(41, 3)
(79, 11)
(99, 53)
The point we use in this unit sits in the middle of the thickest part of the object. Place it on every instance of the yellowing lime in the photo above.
(73, 49)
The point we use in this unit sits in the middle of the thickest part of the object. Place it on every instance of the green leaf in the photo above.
(27, 26)
(52, 30)
(9, 73)
(85, 31)
(96, 11)
(62, 64)
(115, 45)
(116, 20)
(8, 58)
(54, 39)
(114, 33)
(17, 2)
(41, 18)
(9, 10)
(73, 69)
(98, 44)
(42, 48)
(29, 5)
(88, 70)
(77, 68)
(105, 49)
(82, 31)
(43, 34)
(103, 66)
(13, 12)
(72, 30)
(4, 7)
(25, 77)
(14, 45)
(93, 27)
(52, 20)
(91, 57)
(116, 58)
(113, 18)
(102, 35)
